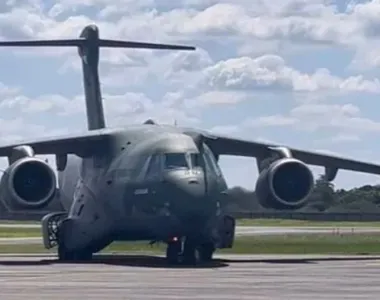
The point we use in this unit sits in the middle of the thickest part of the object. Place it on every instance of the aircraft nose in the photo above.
(186, 185)
(189, 200)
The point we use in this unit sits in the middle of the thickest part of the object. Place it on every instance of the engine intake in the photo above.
(29, 183)
(285, 184)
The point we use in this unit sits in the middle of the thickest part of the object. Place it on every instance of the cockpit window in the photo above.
(176, 161)
(210, 160)
(195, 160)
(154, 168)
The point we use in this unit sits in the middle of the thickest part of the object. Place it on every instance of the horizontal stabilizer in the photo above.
(94, 42)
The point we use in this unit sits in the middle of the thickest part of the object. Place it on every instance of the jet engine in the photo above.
(28, 183)
(285, 184)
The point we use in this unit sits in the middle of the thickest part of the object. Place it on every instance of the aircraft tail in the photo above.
(88, 45)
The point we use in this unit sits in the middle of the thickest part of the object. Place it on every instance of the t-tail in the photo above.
(88, 45)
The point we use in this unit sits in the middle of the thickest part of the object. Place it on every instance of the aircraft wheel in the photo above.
(66, 255)
(173, 252)
(206, 251)
(191, 253)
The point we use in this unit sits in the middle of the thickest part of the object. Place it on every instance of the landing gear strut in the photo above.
(187, 251)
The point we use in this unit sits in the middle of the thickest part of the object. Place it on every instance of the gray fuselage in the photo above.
(150, 181)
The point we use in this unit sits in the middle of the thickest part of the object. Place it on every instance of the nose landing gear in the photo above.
(186, 251)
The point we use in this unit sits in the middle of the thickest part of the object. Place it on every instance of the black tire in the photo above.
(206, 252)
(173, 253)
(66, 255)
(190, 253)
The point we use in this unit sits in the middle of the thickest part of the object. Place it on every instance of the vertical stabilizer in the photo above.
(89, 54)
(88, 48)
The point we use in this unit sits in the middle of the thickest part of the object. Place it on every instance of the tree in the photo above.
(322, 197)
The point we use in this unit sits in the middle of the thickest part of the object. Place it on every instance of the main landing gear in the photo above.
(65, 254)
(54, 229)
(188, 252)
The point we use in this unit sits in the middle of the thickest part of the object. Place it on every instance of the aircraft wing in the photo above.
(224, 145)
(81, 144)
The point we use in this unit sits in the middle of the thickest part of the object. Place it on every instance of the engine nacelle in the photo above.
(28, 183)
(284, 184)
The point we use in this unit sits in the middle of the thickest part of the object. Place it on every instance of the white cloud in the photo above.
(190, 61)
(328, 152)
(327, 110)
(16, 129)
(269, 121)
(344, 138)
(120, 109)
(345, 117)
(315, 21)
(225, 130)
(345, 122)
(214, 98)
(26, 105)
(270, 72)
(280, 25)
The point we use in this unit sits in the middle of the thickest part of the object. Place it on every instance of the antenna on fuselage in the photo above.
(150, 122)
(88, 45)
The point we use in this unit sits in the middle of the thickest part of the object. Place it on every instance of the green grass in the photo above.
(19, 222)
(304, 244)
(308, 244)
(19, 232)
(300, 223)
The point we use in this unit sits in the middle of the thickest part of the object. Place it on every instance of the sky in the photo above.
(303, 73)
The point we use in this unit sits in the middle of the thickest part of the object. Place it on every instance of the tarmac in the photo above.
(135, 276)
(132, 277)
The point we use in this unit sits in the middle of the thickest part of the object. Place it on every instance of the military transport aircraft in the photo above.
(148, 181)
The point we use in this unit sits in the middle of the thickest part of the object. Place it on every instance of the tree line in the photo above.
(324, 198)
